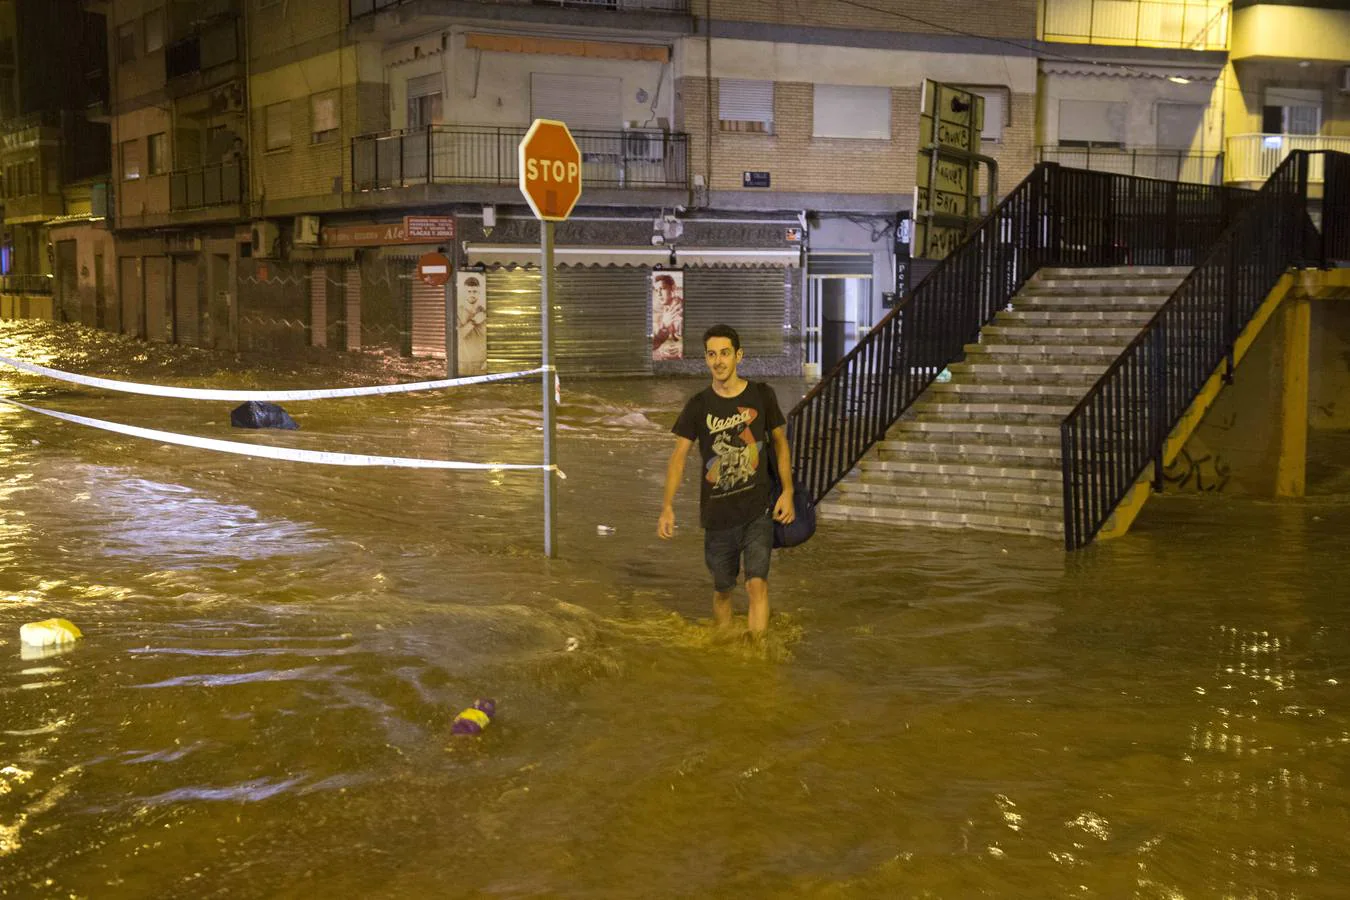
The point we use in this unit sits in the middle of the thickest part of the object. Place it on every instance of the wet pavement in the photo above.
(274, 653)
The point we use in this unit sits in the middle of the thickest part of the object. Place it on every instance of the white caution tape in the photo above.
(154, 390)
(282, 453)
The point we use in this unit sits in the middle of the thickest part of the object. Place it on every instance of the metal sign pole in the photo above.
(550, 410)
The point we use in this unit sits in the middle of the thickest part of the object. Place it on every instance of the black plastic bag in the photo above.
(256, 414)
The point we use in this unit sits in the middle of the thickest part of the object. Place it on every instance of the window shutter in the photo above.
(739, 100)
(851, 111)
(1092, 120)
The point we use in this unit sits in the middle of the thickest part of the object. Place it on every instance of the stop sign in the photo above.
(550, 170)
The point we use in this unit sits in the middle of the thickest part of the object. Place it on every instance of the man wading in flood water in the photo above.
(732, 421)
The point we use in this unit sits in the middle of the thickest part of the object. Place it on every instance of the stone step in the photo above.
(1086, 303)
(1045, 504)
(966, 474)
(836, 510)
(924, 429)
(1177, 272)
(1152, 287)
(1101, 335)
(998, 411)
(1031, 394)
(1083, 375)
(1088, 319)
(1036, 353)
(916, 449)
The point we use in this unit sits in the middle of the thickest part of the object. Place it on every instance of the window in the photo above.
(126, 42)
(323, 109)
(131, 160)
(424, 101)
(154, 30)
(279, 125)
(158, 154)
(745, 106)
(1291, 111)
(1095, 124)
(995, 112)
(850, 111)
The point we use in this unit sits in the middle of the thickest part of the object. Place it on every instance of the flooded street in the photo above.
(273, 654)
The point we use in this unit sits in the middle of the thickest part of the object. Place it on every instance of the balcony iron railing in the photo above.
(358, 8)
(1181, 24)
(1255, 157)
(208, 186)
(26, 284)
(1123, 423)
(1169, 165)
(1056, 217)
(470, 154)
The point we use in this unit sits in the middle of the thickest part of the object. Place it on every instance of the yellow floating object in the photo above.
(49, 632)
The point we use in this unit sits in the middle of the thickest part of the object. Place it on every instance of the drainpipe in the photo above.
(707, 84)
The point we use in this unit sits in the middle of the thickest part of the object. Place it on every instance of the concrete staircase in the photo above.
(983, 450)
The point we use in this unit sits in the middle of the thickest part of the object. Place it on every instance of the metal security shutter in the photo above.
(753, 301)
(600, 316)
(129, 291)
(353, 307)
(739, 100)
(185, 311)
(428, 319)
(584, 102)
(67, 285)
(859, 264)
(157, 324)
(318, 307)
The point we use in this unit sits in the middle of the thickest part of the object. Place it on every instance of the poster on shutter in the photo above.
(471, 318)
(667, 315)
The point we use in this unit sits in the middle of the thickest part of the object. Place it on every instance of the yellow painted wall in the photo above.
(1291, 32)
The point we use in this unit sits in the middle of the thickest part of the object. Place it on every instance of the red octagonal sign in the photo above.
(550, 170)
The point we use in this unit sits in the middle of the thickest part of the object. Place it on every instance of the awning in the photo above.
(1129, 70)
(644, 257)
(528, 255)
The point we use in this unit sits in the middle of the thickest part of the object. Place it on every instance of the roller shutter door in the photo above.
(129, 292)
(753, 301)
(600, 316)
(185, 304)
(158, 326)
(353, 308)
(859, 264)
(428, 319)
(318, 307)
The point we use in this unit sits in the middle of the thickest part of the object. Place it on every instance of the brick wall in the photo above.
(284, 26)
(1004, 18)
(306, 169)
(798, 161)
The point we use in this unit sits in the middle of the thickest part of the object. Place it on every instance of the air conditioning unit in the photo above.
(266, 239)
(306, 231)
(644, 146)
(1345, 80)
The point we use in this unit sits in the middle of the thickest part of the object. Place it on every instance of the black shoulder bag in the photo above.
(804, 523)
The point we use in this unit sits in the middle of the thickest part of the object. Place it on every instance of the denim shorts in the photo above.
(723, 548)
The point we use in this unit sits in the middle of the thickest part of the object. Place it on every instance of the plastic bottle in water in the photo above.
(474, 719)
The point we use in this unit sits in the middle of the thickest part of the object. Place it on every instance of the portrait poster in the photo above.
(667, 315)
(471, 319)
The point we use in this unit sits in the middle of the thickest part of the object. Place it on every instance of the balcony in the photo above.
(359, 8)
(1169, 165)
(1177, 24)
(1253, 157)
(218, 185)
(469, 154)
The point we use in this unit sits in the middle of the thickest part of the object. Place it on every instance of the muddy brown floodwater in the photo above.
(274, 652)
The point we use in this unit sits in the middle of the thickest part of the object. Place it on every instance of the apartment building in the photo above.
(53, 160)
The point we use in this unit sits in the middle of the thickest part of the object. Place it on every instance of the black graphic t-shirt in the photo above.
(733, 436)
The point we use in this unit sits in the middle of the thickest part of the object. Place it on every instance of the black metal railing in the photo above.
(1122, 425)
(472, 154)
(1055, 217)
(26, 284)
(1169, 165)
(217, 185)
(358, 8)
(1336, 200)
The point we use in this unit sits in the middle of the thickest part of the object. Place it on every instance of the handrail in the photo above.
(1122, 424)
(1056, 216)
